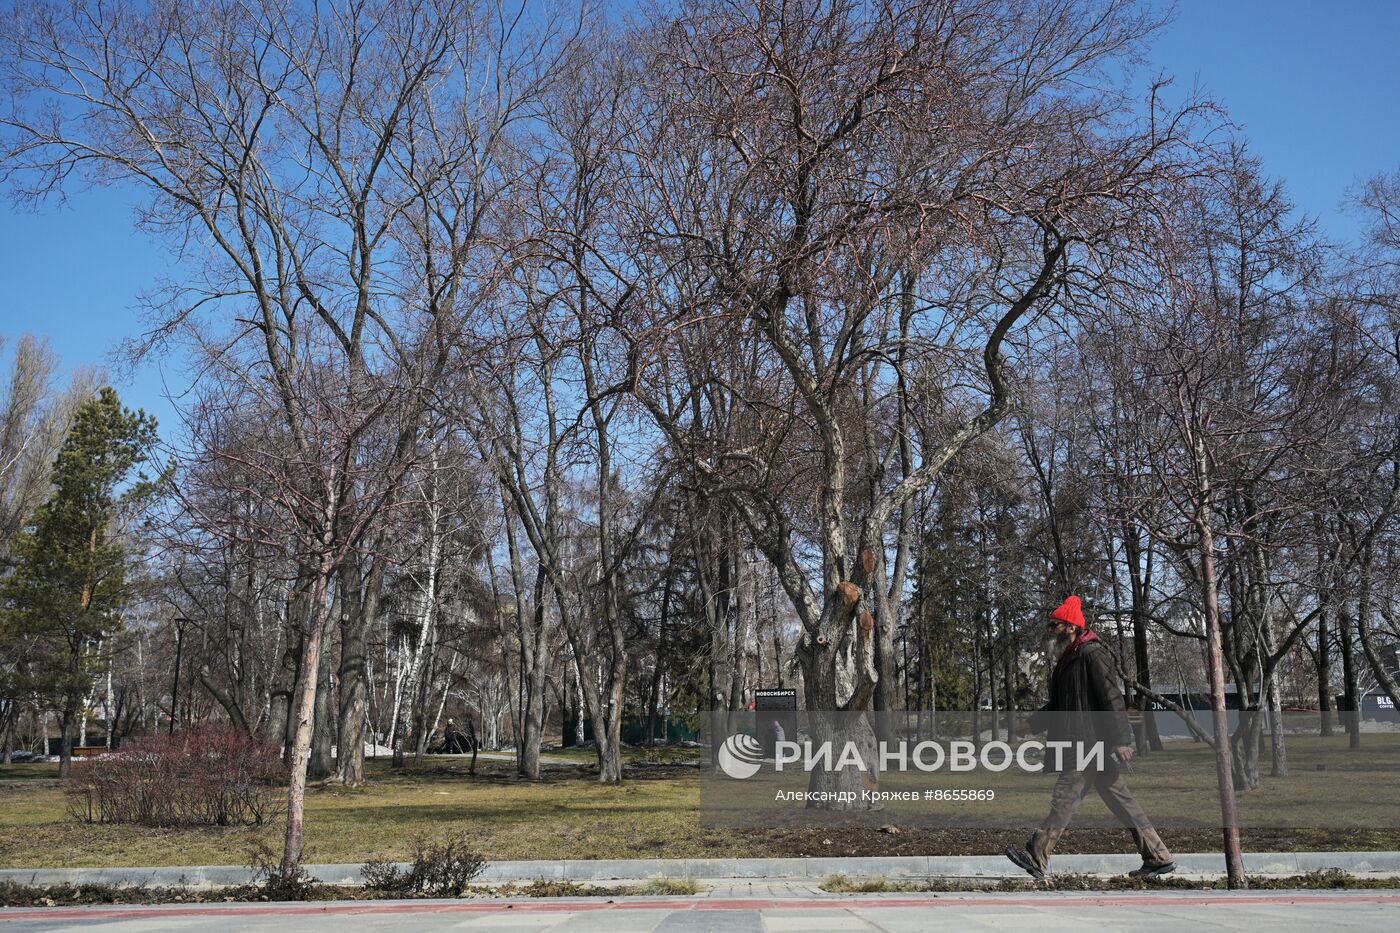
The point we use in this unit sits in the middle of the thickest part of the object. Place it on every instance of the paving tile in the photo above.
(623, 920)
(506, 922)
(811, 921)
(704, 921)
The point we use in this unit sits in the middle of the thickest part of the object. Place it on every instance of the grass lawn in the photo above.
(656, 814)
(1327, 788)
(659, 755)
(29, 772)
(566, 813)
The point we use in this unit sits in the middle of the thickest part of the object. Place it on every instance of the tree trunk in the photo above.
(1273, 703)
(994, 709)
(281, 720)
(446, 691)
(886, 665)
(536, 640)
(849, 781)
(654, 689)
(579, 710)
(83, 717)
(613, 663)
(839, 676)
(65, 746)
(422, 703)
(609, 740)
(222, 696)
(360, 602)
(305, 714)
(1139, 582)
(1276, 740)
(743, 614)
(1350, 689)
(322, 765)
(716, 584)
(1009, 694)
(412, 699)
(108, 707)
(603, 707)
(8, 717)
(1324, 673)
(1244, 745)
(534, 680)
(1229, 816)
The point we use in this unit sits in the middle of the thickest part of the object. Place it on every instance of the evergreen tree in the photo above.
(70, 582)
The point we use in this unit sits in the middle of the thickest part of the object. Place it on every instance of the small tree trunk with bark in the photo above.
(322, 764)
(1229, 815)
(65, 747)
(306, 709)
(1350, 688)
(360, 600)
(1324, 673)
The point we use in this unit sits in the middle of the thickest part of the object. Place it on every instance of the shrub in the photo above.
(840, 884)
(270, 883)
(667, 886)
(211, 776)
(441, 867)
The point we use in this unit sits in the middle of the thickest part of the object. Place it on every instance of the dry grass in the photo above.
(1329, 789)
(666, 887)
(632, 755)
(29, 772)
(508, 819)
(840, 884)
(656, 814)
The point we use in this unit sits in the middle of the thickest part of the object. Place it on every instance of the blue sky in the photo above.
(1313, 85)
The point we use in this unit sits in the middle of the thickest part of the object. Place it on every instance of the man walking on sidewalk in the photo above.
(1086, 706)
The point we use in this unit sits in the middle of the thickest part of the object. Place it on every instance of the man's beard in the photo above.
(1055, 644)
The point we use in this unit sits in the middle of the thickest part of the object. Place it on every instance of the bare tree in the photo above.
(328, 176)
(1374, 496)
(871, 197)
(1235, 379)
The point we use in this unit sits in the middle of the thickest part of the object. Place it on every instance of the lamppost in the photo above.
(180, 623)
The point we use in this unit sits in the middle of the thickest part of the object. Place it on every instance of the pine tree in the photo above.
(70, 583)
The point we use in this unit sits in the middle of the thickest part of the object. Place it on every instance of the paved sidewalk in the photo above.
(1193, 865)
(1167, 911)
(770, 888)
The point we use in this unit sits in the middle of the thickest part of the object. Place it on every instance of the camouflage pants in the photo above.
(1071, 789)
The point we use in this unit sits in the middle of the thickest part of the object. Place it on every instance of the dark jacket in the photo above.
(1085, 702)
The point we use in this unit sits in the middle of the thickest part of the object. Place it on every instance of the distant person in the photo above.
(454, 740)
(776, 734)
(1087, 706)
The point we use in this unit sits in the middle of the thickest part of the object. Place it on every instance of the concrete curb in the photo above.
(1207, 864)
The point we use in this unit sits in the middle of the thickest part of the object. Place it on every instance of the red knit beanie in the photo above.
(1070, 612)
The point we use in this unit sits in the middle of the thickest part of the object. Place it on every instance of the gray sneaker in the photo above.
(1023, 860)
(1150, 870)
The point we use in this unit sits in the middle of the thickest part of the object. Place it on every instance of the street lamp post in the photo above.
(180, 623)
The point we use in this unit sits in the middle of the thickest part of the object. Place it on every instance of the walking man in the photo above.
(1086, 706)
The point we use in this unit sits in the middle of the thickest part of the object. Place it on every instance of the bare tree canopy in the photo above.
(555, 373)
